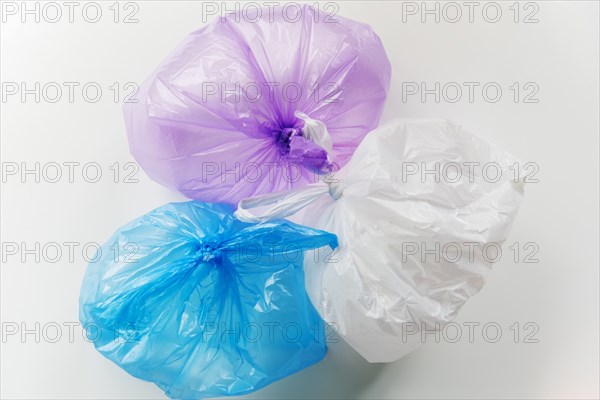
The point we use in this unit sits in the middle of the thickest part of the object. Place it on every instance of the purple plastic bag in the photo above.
(258, 102)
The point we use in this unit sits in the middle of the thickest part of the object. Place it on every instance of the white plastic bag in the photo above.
(420, 212)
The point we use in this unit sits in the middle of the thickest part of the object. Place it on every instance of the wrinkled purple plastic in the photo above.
(225, 146)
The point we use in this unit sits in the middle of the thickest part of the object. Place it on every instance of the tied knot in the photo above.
(284, 138)
(208, 252)
(305, 142)
(336, 189)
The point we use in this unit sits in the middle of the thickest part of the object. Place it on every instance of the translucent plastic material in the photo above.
(202, 304)
(231, 112)
(415, 244)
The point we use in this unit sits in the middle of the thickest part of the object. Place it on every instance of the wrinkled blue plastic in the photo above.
(202, 304)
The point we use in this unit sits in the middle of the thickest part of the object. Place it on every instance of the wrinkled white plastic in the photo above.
(378, 292)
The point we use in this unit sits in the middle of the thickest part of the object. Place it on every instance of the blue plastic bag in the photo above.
(202, 304)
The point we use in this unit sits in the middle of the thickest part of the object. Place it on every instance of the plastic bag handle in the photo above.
(316, 131)
(278, 205)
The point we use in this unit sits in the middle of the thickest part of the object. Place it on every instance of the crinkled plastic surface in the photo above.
(405, 234)
(229, 113)
(204, 305)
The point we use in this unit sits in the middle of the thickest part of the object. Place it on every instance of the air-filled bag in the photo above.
(259, 101)
(415, 244)
(202, 304)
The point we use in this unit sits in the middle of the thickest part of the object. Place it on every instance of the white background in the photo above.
(560, 133)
